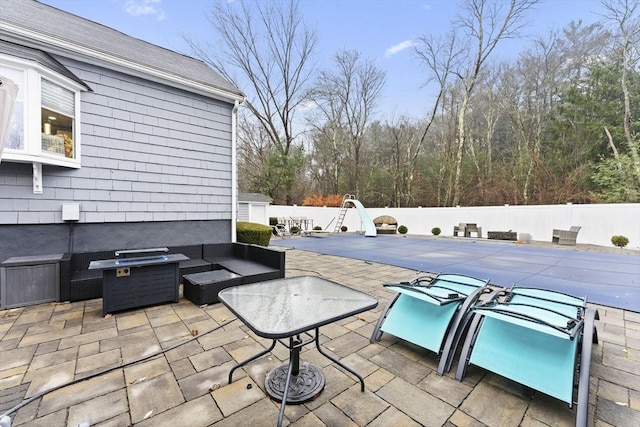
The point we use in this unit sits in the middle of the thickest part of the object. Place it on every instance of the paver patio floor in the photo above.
(48, 345)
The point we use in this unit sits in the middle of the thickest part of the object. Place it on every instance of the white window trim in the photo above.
(32, 152)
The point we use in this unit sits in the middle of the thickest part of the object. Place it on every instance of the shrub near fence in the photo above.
(250, 232)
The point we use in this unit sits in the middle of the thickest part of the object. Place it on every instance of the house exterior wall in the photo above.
(151, 154)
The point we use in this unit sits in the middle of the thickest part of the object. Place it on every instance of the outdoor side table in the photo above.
(286, 311)
(502, 235)
(203, 288)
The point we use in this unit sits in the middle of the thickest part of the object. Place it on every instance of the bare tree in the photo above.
(625, 15)
(538, 82)
(581, 45)
(327, 153)
(266, 50)
(346, 99)
(329, 138)
(485, 24)
(406, 144)
(484, 119)
(441, 56)
(444, 143)
(254, 158)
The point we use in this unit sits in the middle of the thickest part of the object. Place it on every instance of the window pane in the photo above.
(57, 133)
(57, 98)
(15, 134)
(57, 114)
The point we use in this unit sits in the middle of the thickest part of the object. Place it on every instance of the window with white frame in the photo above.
(44, 127)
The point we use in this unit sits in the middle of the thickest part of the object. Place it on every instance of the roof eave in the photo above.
(78, 52)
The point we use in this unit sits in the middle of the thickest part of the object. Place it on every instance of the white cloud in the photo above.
(145, 7)
(398, 48)
(307, 105)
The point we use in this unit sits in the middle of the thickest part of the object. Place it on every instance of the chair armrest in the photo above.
(269, 257)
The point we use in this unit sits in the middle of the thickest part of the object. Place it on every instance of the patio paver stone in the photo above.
(49, 344)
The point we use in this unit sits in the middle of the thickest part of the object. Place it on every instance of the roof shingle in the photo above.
(96, 39)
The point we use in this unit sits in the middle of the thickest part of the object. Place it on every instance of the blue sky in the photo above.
(379, 29)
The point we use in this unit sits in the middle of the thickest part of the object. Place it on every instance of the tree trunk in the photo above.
(633, 150)
(460, 141)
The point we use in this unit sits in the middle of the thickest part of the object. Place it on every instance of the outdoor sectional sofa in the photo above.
(255, 263)
(232, 265)
(77, 282)
(251, 263)
(196, 262)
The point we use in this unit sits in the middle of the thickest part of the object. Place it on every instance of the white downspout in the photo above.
(234, 170)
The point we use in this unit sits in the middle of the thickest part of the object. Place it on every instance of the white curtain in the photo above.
(8, 92)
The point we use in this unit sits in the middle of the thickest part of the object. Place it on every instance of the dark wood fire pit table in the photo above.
(139, 281)
(291, 311)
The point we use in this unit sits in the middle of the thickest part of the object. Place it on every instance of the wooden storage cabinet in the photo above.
(29, 280)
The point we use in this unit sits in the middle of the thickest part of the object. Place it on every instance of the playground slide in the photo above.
(369, 226)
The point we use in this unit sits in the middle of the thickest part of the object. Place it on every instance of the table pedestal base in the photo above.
(305, 386)
(308, 381)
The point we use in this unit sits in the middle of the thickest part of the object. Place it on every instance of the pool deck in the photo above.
(47, 345)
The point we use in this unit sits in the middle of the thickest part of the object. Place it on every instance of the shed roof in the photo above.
(38, 25)
(253, 197)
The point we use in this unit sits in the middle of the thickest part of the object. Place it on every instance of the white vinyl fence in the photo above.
(599, 221)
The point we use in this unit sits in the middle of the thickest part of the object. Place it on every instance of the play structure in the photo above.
(367, 223)
(285, 226)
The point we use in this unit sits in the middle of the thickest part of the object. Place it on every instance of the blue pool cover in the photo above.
(611, 280)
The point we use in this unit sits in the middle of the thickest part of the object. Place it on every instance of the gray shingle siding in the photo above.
(156, 135)
(146, 148)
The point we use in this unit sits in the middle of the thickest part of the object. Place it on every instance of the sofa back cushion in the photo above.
(191, 251)
(224, 250)
(80, 261)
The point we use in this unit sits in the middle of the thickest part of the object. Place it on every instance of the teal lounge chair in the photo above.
(431, 313)
(536, 337)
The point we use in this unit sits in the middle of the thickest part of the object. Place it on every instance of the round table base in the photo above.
(305, 386)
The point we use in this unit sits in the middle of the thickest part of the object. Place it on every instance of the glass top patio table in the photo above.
(286, 310)
(286, 307)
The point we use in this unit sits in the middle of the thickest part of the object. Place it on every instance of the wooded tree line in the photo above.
(557, 124)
